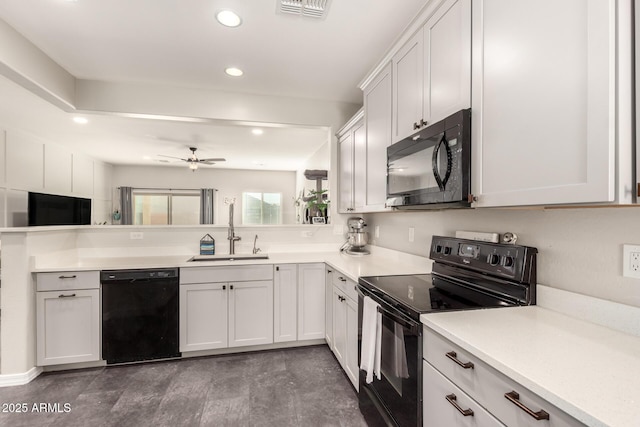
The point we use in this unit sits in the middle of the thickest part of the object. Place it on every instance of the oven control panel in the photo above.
(506, 260)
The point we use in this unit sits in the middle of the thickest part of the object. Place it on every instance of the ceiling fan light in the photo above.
(193, 166)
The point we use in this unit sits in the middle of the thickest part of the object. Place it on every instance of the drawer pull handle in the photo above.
(342, 279)
(66, 296)
(514, 398)
(451, 398)
(67, 277)
(454, 356)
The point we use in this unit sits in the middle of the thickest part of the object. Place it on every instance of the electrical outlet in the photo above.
(631, 261)
(377, 233)
(412, 234)
(136, 235)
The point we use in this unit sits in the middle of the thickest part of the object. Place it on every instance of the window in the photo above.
(166, 207)
(261, 208)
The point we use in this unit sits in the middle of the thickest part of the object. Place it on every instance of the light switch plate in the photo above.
(631, 261)
(136, 235)
(412, 234)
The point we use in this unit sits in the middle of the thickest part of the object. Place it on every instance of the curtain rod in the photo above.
(170, 189)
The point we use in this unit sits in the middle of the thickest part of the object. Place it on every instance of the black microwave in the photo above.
(432, 168)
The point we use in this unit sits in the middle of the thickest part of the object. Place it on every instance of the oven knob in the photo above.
(508, 261)
(438, 249)
(447, 250)
(494, 259)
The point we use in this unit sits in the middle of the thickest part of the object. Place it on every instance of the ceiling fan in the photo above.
(193, 161)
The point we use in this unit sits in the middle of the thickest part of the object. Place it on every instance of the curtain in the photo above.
(207, 196)
(126, 205)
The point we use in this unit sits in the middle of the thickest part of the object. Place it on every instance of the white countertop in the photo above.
(589, 371)
(381, 261)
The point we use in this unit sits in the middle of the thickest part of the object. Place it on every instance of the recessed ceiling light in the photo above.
(80, 120)
(228, 18)
(234, 72)
(257, 131)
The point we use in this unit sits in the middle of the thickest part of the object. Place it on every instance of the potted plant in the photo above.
(317, 203)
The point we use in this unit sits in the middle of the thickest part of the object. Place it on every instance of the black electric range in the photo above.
(466, 275)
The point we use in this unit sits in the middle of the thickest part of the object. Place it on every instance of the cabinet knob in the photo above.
(422, 123)
(278, 268)
(231, 287)
(416, 126)
(224, 287)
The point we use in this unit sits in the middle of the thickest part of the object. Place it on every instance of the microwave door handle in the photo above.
(442, 182)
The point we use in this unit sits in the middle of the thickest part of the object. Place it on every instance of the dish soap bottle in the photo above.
(207, 245)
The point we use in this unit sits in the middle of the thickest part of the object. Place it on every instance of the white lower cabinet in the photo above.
(203, 316)
(299, 302)
(503, 398)
(285, 296)
(328, 307)
(67, 319)
(345, 325)
(444, 404)
(311, 301)
(218, 312)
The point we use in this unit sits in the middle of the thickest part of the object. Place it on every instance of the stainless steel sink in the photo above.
(235, 257)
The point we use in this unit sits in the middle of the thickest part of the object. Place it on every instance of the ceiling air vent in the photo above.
(309, 8)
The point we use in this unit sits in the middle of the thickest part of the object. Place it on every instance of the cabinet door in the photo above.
(447, 60)
(408, 77)
(360, 167)
(203, 316)
(377, 107)
(351, 364)
(328, 308)
(68, 326)
(345, 173)
(311, 296)
(250, 313)
(339, 327)
(544, 113)
(439, 397)
(285, 290)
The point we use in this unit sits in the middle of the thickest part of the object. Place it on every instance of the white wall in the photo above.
(228, 182)
(580, 250)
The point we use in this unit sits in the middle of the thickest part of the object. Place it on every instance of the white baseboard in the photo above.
(20, 379)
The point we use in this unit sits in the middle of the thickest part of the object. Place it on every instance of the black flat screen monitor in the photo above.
(50, 209)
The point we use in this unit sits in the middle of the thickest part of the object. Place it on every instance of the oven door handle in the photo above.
(442, 182)
(410, 324)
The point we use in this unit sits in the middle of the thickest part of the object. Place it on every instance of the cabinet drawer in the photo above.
(230, 273)
(489, 387)
(346, 285)
(440, 396)
(66, 280)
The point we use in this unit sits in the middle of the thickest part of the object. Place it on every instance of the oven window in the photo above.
(398, 387)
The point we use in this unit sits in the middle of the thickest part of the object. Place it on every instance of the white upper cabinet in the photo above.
(82, 175)
(377, 115)
(57, 169)
(408, 78)
(432, 71)
(544, 101)
(447, 61)
(25, 162)
(351, 171)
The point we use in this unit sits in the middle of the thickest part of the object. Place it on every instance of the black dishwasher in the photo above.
(139, 314)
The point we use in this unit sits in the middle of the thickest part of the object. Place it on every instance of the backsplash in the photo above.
(580, 250)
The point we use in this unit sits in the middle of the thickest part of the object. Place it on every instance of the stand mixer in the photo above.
(357, 238)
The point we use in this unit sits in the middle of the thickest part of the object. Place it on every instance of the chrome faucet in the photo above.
(232, 234)
(255, 250)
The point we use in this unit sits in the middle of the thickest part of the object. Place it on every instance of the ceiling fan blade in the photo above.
(220, 159)
(173, 157)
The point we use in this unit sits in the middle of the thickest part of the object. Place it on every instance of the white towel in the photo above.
(371, 339)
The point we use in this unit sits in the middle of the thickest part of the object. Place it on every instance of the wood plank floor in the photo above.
(292, 387)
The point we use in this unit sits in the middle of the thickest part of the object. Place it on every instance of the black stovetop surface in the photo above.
(424, 293)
